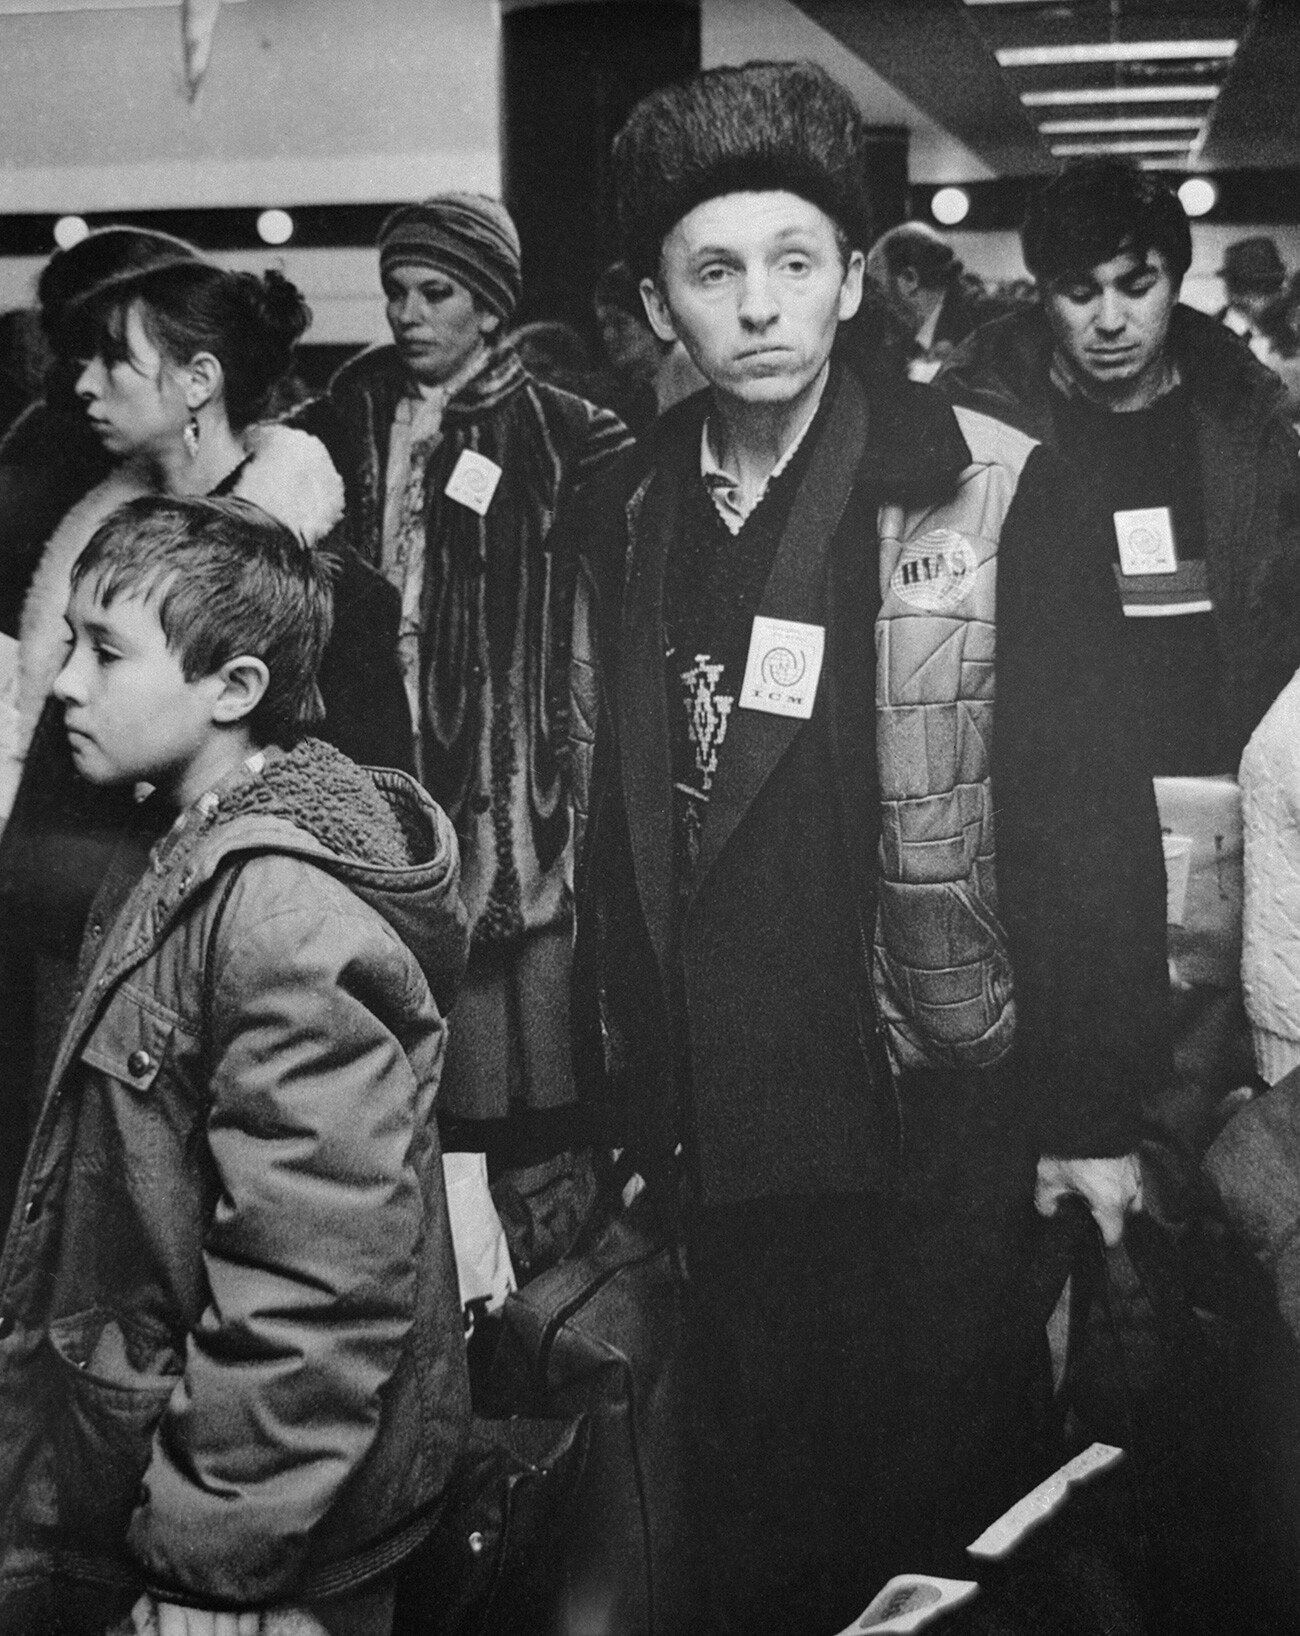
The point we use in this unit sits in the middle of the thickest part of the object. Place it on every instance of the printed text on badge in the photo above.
(783, 667)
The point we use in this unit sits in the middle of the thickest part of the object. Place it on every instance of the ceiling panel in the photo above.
(1178, 84)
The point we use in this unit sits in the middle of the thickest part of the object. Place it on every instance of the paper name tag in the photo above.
(1178, 868)
(783, 667)
(1042, 1502)
(909, 1602)
(1146, 541)
(474, 481)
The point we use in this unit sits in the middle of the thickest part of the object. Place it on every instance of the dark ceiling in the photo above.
(1185, 85)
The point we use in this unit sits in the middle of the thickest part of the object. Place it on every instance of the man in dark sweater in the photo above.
(846, 1043)
(1190, 460)
(1182, 439)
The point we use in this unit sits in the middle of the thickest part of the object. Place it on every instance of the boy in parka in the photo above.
(232, 1378)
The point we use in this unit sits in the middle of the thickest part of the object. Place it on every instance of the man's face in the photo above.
(1111, 323)
(754, 287)
(129, 713)
(434, 320)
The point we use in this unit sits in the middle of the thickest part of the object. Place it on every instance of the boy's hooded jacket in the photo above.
(231, 1361)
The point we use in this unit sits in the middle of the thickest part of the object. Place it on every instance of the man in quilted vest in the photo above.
(849, 1035)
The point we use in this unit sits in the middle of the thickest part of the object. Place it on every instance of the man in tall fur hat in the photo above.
(848, 1043)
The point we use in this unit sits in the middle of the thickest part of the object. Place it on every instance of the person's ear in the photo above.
(908, 281)
(243, 682)
(203, 380)
(851, 288)
(657, 311)
(488, 323)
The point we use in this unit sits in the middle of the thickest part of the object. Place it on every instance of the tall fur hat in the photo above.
(769, 126)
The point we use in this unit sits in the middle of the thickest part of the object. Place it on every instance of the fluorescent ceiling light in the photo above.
(1082, 127)
(1058, 56)
(1069, 149)
(1077, 98)
(39, 8)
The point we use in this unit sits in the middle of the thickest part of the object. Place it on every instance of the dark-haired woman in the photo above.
(177, 362)
(49, 457)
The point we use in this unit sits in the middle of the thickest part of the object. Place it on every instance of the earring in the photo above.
(190, 436)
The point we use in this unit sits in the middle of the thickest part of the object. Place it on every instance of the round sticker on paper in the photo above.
(936, 571)
(783, 667)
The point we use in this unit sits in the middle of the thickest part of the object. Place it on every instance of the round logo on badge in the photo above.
(936, 571)
(783, 667)
(1147, 550)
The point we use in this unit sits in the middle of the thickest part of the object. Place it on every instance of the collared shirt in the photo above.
(924, 337)
(724, 486)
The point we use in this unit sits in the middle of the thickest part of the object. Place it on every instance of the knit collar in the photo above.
(1066, 383)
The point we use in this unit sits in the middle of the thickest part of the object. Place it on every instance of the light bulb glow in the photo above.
(1198, 195)
(70, 230)
(950, 205)
(275, 227)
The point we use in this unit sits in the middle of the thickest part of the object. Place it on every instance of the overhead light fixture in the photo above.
(275, 227)
(70, 230)
(1085, 127)
(1061, 56)
(950, 205)
(1198, 195)
(1071, 150)
(1078, 97)
(42, 8)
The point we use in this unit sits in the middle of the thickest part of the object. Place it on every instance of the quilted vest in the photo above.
(941, 967)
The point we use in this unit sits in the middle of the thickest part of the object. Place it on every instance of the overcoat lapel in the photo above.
(756, 740)
(643, 705)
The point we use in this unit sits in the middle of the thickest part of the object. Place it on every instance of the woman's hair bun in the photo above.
(284, 309)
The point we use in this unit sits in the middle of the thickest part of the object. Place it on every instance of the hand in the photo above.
(170, 1619)
(1111, 1188)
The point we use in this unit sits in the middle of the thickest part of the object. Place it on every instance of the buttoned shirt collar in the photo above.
(724, 486)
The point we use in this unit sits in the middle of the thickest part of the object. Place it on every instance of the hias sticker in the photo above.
(936, 571)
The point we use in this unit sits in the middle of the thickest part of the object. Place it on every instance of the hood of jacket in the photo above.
(374, 829)
(1003, 369)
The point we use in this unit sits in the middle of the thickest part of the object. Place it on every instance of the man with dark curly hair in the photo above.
(847, 1040)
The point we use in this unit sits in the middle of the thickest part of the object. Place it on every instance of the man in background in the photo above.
(1253, 275)
(923, 279)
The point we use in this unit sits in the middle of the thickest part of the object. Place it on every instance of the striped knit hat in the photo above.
(466, 236)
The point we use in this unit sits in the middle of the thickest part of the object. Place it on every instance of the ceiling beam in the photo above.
(1256, 120)
(932, 53)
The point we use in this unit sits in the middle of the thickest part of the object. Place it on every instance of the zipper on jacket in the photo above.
(882, 1058)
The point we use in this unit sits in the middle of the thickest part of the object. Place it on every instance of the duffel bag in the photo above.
(600, 1335)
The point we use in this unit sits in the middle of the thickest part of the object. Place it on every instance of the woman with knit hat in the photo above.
(465, 480)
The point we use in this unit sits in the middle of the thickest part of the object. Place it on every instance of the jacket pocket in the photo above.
(112, 1385)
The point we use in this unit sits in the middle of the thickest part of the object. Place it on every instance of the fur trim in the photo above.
(40, 630)
(765, 127)
(316, 788)
(292, 476)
